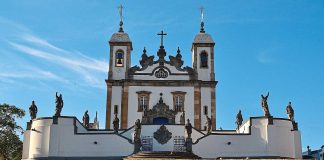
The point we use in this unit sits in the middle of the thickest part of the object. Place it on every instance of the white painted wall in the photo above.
(205, 101)
(115, 100)
(265, 140)
(26, 144)
(154, 99)
(40, 138)
(60, 141)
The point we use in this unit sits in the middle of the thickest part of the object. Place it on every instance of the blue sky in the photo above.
(261, 45)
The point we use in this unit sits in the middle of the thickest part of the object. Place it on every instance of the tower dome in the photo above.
(203, 38)
(120, 36)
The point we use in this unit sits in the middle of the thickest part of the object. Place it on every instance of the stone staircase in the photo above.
(161, 155)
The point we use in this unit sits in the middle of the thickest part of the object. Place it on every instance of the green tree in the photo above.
(10, 144)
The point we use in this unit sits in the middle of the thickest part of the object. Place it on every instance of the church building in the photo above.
(135, 92)
(161, 108)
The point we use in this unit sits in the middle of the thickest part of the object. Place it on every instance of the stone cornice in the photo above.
(121, 44)
(162, 83)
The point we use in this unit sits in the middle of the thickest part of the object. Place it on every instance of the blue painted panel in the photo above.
(160, 120)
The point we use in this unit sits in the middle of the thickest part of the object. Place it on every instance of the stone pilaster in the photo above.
(108, 106)
(128, 60)
(212, 69)
(124, 106)
(213, 107)
(110, 72)
(197, 106)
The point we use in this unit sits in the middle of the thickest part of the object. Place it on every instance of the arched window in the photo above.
(203, 59)
(119, 61)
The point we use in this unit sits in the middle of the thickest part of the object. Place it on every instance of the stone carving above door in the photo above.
(159, 110)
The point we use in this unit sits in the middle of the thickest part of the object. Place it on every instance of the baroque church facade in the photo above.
(162, 108)
(161, 90)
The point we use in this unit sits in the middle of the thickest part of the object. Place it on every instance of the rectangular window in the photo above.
(143, 100)
(143, 103)
(115, 109)
(178, 100)
(205, 110)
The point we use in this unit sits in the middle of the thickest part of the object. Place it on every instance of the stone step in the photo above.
(162, 155)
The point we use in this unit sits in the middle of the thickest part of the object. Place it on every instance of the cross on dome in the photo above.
(202, 30)
(120, 8)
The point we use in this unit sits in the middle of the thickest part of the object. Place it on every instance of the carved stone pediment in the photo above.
(148, 61)
(159, 110)
(162, 135)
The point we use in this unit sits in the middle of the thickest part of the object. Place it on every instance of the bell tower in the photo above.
(119, 63)
(203, 53)
(203, 63)
(120, 52)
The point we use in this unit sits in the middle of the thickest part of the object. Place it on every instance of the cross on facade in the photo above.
(162, 34)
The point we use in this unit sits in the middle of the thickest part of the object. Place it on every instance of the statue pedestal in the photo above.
(29, 124)
(188, 145)
(295, 126)
(55, 119)
(137, 145)
(270, 120)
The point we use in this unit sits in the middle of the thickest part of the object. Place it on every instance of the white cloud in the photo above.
(75, 61)
(264, 57)
(47, 61)
(86, 67)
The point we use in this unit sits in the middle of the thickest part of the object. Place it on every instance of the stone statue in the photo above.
(116, 123)
(239, 120)
(137, 136)
(182, 118)
(208, 124)
(290, 112)
(188, 128)
(264, 104)
(137, 129)
(309, 151)
(86, 119)
(33, 110)
(59, 104)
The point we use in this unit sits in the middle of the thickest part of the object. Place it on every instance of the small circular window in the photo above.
(161, 73)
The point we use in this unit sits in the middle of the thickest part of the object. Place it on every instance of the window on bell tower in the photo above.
(205, 110)
(119, 58)
(178, 101)
(203, 59)
(143, 100)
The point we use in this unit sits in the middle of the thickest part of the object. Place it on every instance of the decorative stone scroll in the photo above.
(162, 135)
(176, 61)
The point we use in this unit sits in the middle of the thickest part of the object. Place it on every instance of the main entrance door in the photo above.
(160, 120)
